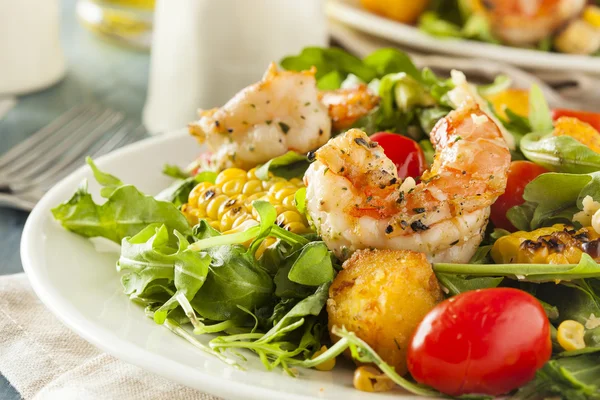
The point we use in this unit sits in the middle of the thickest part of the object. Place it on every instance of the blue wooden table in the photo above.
(97, 71)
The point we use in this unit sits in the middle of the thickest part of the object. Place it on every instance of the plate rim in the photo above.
(347, 12)
(93, 333)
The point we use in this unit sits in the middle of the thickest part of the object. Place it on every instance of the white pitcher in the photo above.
(204, 51)
(31, 57)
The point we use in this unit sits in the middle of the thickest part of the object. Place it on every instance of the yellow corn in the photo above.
(369, 379)
(591, 15)
(578, 130)
(570, 335)
(558, 244)
(227, 204)
(326, 365)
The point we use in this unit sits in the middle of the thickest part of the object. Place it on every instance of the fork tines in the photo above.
(37, 163)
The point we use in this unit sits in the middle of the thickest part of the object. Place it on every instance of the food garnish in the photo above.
(339, 240)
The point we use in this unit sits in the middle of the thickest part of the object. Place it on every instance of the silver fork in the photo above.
(36, 164)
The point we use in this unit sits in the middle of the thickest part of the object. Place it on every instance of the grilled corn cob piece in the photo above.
(558, 244)
(227, 204)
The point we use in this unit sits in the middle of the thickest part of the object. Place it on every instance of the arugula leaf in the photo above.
(553, 198)
(388, 61)
(521, 216)
(290, 165)
(147, 257)
(327, 60)
(175, 172)
(109, 182)
(125, 213)
(540, 117)
(203, 230)
(311, 305)
(285, 287)
(560, 153)
(191, 270)
(574, 300)
(481, 255)
(457, 284)
(235, 280)
(570, 378)
(313, 267)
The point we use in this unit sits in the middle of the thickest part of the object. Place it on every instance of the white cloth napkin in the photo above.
(44, 360)
(562, 89)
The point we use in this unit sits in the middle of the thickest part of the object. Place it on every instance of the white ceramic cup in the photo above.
(31, 57)
(204, 51)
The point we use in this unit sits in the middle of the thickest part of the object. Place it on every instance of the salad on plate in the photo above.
(443, 235)
(564, 26)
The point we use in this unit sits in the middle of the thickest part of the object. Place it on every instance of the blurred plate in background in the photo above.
(351, 13)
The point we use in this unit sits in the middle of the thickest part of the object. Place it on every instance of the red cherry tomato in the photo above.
(591, 118)
(487, 341)
(404, 152)
(520, 174)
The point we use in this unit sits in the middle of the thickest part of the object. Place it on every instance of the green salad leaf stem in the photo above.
(587, 268)
(362, 352)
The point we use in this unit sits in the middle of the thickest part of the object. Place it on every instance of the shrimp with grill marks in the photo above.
(356, 201)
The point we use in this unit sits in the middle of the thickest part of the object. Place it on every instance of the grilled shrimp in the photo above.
(265, 120)
(346, 106)
(356, 201)
(526, 22)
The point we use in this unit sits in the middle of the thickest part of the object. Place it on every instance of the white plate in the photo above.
(82, 287)
(349, 12)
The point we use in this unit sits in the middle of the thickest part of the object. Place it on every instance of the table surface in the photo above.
(97, 71)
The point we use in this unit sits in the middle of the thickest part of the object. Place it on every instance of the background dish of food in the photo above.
(351, 13)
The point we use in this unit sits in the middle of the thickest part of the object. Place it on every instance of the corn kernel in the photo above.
(229, 174)
(369, 379)
(325, 365)
(570, 335)
(233, 186)
(227, 204)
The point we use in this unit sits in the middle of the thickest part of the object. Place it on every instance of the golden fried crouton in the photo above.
(382, 295)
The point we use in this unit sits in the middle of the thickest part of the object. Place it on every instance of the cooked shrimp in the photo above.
(526, 22)
(346, 106)
(356, 201)
(265, 120)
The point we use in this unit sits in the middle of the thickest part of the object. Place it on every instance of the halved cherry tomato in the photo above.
(520, 174)
(404, 152)
(488, 341)
(591, 118)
